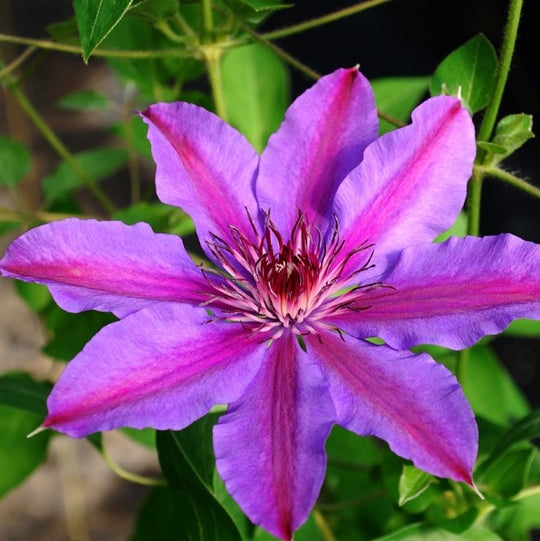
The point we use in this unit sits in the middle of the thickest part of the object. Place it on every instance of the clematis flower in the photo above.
(323, 241)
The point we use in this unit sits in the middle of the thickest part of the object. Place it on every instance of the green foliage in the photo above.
(397, 97)
(96, 19)
(412, 483)
(256, 90)
(22, 393)
(467, 72)
(84, 100)
(188, 507)
(511, 133)
(19, 455)
(490, 389)
(97, 164)
(14, 161)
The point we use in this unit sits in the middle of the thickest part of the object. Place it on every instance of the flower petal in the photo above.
(108, 266)
(270, 445)
(162, 367)
(452, 294)
(204, 166)
(321, 140)
(412, 182)
(410, 401)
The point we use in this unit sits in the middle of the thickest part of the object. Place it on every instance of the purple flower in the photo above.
(320, 243)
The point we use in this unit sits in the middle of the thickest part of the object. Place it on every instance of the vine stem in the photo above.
(490, 116)
(108, 53)
(501, 174)
(130, 476)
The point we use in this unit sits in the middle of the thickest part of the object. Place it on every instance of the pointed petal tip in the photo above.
(37, 431)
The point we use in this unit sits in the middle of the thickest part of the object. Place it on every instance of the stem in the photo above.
(490, 116)
(114, 53)
(207, 18)
(17, 62)
(60, 148)
(281, 53)
(130, 476)
(212, 58)
(323, 526)
(507, 51)
(9, 215)
(324, 19)
(473, 202)
(501, 174)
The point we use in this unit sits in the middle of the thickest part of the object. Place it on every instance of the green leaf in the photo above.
(191, 453)
(162, 218)
(256, 91)
(526, 429)
(83, 100)
(14, 161)
(185, 461)
(20, 392)
(459, 229)
(98, 164)
(508, 473)
(397, 97)
(172, 514)
(145, 436)
(36, 296)
(158, 79)
(423, 532)
(490, 389)
(412, 483)
(19, 455)
(512, 132)
(154, 10)
(524, 328)
(467, 72)
(255, 11)
(96, 19)
(70, 332)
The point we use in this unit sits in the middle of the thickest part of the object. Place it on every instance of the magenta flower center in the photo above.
(268, 284)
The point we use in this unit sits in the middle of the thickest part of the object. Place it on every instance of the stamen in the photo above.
(268, 284)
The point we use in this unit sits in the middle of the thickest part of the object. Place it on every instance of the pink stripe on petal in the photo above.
(321, 140)
(108, 266)
(204, 166)
(410, 401)
(452, 294)
(162, 367)
(412, 182)
(270, 445)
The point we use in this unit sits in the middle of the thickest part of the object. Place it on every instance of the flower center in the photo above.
(268, 284)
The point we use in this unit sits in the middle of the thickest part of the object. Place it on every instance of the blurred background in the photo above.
(75, 496)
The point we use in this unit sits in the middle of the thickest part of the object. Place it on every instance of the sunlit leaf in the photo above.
(412, 483)
(96, 19)
(508, 473)
(512, 132)
(14, 161)
(467, 72)
(36, 296)
(490, 389)
(421, 532)
(525, 328)
(256, 90)
(397, 97)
